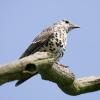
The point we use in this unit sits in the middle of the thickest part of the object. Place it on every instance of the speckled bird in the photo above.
(52, 39)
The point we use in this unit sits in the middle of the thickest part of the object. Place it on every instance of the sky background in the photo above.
(22, 20)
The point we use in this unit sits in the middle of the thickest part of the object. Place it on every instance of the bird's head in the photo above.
(67, 25)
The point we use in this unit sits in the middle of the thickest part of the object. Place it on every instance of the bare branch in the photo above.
(44, 64)
(25, 67)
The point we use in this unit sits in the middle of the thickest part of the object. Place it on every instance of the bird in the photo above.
(53, 39)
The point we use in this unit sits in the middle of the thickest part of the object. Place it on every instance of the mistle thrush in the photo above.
(52, 39)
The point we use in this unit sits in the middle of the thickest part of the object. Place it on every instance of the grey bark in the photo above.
(44, 64)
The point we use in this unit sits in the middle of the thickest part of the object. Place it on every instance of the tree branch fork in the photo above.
(44, 64)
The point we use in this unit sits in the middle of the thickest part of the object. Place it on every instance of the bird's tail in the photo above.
(24, 79)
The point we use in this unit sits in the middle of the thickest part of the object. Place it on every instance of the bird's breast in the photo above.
(57, 43)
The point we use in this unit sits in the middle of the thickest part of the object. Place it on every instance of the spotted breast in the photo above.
(57, 43)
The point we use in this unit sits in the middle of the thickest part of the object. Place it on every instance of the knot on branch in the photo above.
(30, 68)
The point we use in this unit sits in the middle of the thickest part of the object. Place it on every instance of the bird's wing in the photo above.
(37, 43)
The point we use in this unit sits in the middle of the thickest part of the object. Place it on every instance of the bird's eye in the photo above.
(67, 22)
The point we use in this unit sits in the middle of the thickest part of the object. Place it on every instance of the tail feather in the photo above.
(23, 80)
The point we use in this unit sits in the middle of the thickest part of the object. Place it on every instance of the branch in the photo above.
(25, 67)
(44, 64)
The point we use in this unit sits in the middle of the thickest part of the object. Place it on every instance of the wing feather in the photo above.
(38, 42)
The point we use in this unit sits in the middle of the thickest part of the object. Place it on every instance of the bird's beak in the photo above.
(74, 26)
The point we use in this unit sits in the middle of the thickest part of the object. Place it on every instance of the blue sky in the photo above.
(22, 20)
